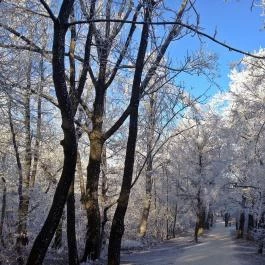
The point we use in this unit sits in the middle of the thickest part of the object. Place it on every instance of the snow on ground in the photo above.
(216, 248)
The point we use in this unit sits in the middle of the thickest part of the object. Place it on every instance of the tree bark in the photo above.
(117, 227)
(92, 247)
(104, 197)
(104, 179)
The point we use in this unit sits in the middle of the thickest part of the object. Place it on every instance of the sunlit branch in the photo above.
(163, 23)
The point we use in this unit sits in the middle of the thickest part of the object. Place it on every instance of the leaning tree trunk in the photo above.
(3, 211)
(117, 227)
(69, 142)
(58, 237)
(45, 236)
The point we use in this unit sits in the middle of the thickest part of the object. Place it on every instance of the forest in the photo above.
(105, 146)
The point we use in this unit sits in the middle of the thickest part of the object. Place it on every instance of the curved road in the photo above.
(217, 248)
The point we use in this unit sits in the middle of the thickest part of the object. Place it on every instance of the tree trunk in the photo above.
(57, 243)
(199, 219)
(117, 227)
(147, 205)
(38, 132)
(3, 211)
(104, 180)
(92, 247)
(241, 225)
(167, 204)
(81, 179)
(196, 231)
(71, 235)
(156, 210)
(260, 246)
(175, 220)
(22, 238)
(176, 206)
(199, 224)
(45, 236)
(69, 142)
(18, 160)
(104, 198)
(149, 168)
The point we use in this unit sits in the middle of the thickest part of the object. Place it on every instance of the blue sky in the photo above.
(236, 25)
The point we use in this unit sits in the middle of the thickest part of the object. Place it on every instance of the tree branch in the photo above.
(46, 6)
(22, 37)
(192, 28)
(118, 123)
(47, 97)
(86, 66)
(125, 47)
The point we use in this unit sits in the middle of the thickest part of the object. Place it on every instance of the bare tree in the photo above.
(69, 143)
(149, 166)
(117, 228)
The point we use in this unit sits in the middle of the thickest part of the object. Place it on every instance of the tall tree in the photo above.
(117, 228)
(69, 143)
(24, 190)
(149, 165)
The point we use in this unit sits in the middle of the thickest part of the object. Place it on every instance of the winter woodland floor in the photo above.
(216, 248)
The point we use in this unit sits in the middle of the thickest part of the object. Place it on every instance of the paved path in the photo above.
(217, 248)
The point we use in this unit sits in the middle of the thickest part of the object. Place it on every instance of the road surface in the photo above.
(217, 248)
